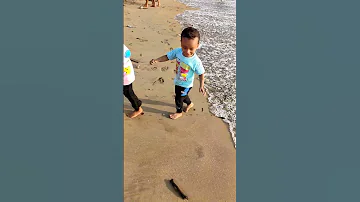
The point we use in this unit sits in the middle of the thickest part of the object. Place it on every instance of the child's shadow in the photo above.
(128, 109)
(155, 102)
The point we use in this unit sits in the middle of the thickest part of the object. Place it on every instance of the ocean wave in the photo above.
(216, 21)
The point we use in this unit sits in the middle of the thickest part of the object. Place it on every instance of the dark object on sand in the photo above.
(183, 196)
(160, 80)
(141, 40)
(202, 109)
(134, 60)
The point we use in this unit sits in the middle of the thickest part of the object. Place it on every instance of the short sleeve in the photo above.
(199, 70)
(172, 54)
(127, 53)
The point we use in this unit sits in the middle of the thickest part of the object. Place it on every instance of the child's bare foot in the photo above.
(158, 5)
(145, 6)
(136, 113)
(189, 107)
(175, 116)
(153, 3)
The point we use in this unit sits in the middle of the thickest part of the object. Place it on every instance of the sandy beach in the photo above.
(196, 150)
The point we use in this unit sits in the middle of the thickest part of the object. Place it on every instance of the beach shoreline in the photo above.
(196, 150)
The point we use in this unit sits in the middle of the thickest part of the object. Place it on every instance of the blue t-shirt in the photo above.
(186, 67)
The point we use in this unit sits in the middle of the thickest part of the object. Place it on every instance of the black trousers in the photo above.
(181, 97)
(130, 95)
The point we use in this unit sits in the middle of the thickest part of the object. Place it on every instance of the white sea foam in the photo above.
(216, 21)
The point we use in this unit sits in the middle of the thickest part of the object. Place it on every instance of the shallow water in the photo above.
(216, 21)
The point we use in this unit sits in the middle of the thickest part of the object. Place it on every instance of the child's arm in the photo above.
(163, 58)
(201, 89)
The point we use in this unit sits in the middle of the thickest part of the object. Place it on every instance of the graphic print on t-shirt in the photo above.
(127, 70)
(184, 70)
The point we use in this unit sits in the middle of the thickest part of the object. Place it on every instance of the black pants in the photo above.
(181, 97)
(130, 95)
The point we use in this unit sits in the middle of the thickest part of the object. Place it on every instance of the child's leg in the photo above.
(153, 3)
(158, 3)
(130, 95)
(146, 3)
(188, 102)
(181, 94)
(134, 100)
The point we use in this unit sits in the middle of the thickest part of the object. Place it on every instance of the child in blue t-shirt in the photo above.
(187, 65)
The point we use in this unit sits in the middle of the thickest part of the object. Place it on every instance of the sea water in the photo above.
(216, 21)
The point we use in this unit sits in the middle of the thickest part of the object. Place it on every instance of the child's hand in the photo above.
(153, 61)
(202, 90)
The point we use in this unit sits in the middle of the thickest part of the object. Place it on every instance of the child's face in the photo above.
(189, 46)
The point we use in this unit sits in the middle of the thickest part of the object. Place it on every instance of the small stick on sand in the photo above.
(183, 196)
(134, 60)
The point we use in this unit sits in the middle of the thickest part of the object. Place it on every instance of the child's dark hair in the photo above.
(190, 33)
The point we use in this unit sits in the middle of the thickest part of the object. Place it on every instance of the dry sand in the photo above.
(195, 150)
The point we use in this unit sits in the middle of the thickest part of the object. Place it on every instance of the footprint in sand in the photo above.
(160, 80)
(167, 127)
(154, 68)
(200, 152)
(164, 68)
(166, 41)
